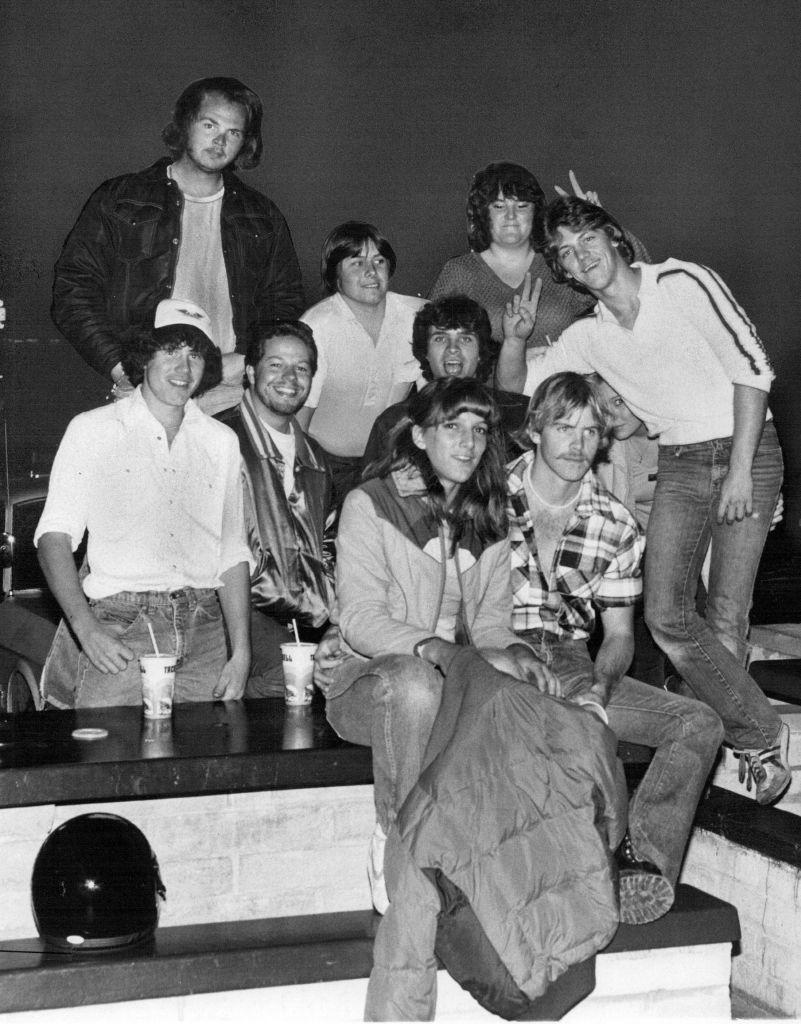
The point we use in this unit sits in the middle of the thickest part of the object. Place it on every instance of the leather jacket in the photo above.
(120, 258)
(293, 577)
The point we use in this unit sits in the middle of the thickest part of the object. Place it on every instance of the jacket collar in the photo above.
(158, 172)
(408, 481)
(264, 445)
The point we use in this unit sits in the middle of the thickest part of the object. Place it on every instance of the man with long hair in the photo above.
(186, 227)
(154, 483)
(678, 348)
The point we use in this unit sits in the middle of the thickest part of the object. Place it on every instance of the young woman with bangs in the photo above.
(423, 568)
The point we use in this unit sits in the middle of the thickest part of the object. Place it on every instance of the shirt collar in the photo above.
(647, 282)
(134, 411)
(592, 499)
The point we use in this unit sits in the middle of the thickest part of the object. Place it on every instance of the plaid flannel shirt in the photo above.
(597, 562)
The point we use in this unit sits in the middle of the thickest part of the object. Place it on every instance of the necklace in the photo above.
(542, 501)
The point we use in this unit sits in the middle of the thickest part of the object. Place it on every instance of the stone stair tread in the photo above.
(275, 951)
(779, 679)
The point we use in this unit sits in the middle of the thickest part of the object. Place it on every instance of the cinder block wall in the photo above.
(766, 895)
(222, 858)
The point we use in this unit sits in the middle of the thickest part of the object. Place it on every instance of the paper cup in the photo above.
(298, 661)
(158, 683)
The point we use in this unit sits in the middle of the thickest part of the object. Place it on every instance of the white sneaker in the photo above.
(375, 870)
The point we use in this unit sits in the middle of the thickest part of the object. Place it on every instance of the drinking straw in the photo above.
(295, 627)
(153, 640)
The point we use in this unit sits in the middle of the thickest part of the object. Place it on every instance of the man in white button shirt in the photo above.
(155, 484)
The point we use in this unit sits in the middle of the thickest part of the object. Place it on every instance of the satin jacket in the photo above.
(293, 577)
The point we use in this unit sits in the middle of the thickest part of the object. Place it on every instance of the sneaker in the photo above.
(767, 768)
(375, 870)
(644, 892)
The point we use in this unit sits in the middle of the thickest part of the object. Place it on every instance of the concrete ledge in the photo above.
(750, 856)
(292, 951)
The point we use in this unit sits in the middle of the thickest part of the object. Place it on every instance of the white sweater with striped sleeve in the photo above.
(676, 369)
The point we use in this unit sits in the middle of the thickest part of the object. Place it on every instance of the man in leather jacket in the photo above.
(287, 499)
(187, 227)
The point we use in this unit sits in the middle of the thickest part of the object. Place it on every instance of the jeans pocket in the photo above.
(124, 618)
(208, 611)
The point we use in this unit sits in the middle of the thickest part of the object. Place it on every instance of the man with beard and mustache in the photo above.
(287, 498)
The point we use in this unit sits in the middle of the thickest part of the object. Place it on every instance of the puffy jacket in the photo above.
(390, 590)
(293, 577)
(119, 261)
(520, 805)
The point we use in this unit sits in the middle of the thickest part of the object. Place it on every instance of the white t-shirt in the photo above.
(285, 443)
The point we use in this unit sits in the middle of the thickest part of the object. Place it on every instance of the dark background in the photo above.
(683, 114)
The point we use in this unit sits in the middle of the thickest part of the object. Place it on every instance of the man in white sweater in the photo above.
(673, 342)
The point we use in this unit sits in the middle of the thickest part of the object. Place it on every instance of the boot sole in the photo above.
(644, 897)
(776, 792)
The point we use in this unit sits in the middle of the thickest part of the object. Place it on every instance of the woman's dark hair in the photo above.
(481, 500)
(349, 239)
(578, 215)
(140, 344)
(280, 329)
(188, 104)
(452, 313)
(509, 180)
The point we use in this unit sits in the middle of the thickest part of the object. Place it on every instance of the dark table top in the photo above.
(204, 748)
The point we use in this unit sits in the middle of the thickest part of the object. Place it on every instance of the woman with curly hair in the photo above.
(504, 208)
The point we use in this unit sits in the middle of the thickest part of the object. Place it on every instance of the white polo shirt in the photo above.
(159, 517)
(357, 378)
(677, 367)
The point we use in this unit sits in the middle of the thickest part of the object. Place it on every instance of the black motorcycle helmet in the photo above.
(96, 884)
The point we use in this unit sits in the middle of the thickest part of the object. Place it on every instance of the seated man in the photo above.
(155, 482)
(451, 337)
(575, 549)
(287, 497)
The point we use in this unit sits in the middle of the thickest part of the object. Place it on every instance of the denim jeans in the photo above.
(390, 707)
(685, 735)
(186, 622)
(709, 652)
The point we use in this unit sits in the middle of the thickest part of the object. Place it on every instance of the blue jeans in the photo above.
(685, 735)
(709, 653)
(186, 622)
(390, 707)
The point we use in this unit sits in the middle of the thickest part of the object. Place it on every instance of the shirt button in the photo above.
(175, 241)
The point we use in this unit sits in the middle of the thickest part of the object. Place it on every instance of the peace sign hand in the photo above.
(521, 310)
(589, 195)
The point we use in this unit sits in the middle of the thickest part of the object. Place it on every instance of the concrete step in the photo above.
(750, 856)
(318, 964)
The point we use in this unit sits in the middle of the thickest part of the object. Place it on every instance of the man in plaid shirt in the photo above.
(576, 552)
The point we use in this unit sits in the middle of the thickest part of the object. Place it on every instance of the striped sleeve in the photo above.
(703, 297)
